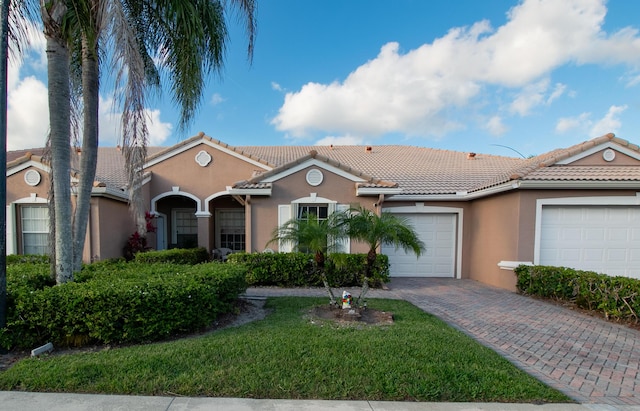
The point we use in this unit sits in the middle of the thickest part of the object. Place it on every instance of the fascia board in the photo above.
(595, 149)
(196, 143)
(462, 196)
(27, 164)
(109, 193)
(369, 191)
(579, 184)
(249, 191)
(312, 162)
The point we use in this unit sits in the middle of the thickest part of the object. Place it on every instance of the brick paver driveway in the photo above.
(587, 358)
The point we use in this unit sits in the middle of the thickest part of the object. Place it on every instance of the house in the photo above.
(479, 215)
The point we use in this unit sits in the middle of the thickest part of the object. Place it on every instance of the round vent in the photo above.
(314, 177)
(32, 177)
(203, 158)
(608, 155)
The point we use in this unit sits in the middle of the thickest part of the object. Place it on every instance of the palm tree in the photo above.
(375, 230)
(313, 236)
(187, 37)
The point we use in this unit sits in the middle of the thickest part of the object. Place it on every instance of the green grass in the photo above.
(418, 358)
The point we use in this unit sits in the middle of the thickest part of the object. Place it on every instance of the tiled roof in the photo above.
(415, 170)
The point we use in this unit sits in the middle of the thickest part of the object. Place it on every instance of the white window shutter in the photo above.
(284, 215)
(11, 243)
(343, 245)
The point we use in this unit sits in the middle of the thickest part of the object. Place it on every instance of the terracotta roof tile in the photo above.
(586, 173)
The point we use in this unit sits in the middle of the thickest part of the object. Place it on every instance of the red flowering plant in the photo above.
(138, 242)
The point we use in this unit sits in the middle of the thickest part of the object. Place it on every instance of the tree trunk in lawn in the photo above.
(60, 124)
(320, 259)
(89, 158)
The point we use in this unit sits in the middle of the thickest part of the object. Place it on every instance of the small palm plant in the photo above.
(364, 225)
(313, 236)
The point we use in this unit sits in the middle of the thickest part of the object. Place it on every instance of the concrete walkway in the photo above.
(592, 361)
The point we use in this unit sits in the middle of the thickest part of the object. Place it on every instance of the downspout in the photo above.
(378, 205)
(247, 223)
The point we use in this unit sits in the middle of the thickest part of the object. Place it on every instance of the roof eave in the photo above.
(249, 191)
(572, 184)
(374, 191)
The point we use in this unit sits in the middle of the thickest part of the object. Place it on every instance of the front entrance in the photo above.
(230, 229)
(185, 230)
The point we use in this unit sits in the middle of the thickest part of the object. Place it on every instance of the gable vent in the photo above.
(32, 178)
(314, 177)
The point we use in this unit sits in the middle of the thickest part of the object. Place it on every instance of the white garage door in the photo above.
(594, 238)
(438, 232)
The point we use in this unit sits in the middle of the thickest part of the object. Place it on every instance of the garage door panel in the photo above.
(605, 239)
(437, 231)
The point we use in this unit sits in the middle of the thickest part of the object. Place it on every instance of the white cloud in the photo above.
(495, 126)
(346, 140)
(217, 99)
(569, 123)
(275, 86)
(420, 91)
(27, 115)
(110, 127)
(610, 123)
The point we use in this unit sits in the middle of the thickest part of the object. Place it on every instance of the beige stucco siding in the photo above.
(183, 171)
(293, 187)
(18, 189)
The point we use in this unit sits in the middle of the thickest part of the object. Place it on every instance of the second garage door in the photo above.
(438, 232)
(604, 239)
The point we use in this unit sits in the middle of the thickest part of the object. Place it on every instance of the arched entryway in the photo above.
(176, 222)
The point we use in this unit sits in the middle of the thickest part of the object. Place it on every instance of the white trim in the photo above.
(155, 199)
(600, 147)
(249, 191)
(203, 158)
(508, 186)
(576, 201)
(366, 191)
(11, 238)
(32, 199)
(561, 184)
(211, 144)
(421, 208)
(512, 265)
(310, 163)
(313, 198)
(22, 166)
(110, 192)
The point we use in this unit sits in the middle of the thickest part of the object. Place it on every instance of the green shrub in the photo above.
(177, 255)
(297, 269)
(29, 258)
(132, 305)
(615, 297)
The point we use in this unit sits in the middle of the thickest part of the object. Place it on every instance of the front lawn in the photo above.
(288, 356)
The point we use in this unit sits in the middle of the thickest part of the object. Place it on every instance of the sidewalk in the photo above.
(28, 401)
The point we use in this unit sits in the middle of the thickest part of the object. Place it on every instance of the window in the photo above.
(231, 233)
(35, 229)
(186, 228)
(321, 211)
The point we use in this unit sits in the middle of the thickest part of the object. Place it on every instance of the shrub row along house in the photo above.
(479, 215)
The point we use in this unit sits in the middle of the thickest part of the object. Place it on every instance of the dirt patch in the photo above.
(351, 316)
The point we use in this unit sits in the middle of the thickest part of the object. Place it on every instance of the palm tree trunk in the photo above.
(59, 118)
(368, 269)
(60, 123)
(89, 158)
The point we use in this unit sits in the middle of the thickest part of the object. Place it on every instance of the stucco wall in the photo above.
(292, 187)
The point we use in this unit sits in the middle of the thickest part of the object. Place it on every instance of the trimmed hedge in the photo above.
(297, 269)
(615, 297)
(27, 258)
(139, 304)
(177, 255)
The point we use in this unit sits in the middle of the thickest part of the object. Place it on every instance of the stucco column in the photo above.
(247, 224)
(204, 231)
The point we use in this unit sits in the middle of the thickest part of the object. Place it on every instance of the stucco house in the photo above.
(478, 214)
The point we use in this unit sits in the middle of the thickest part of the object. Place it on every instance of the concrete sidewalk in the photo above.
(29, 401)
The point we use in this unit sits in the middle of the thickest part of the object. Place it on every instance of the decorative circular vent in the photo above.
(608, 155)
(203, 158)
(314, 177)
(32, 177)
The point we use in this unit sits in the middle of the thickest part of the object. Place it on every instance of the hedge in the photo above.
(615, 297)
(176, 255)
(131, 307)
(297, 269)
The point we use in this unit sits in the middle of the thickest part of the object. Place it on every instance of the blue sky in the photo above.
(461, 75)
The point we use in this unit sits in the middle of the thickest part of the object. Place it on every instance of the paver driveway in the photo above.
(589, 359)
